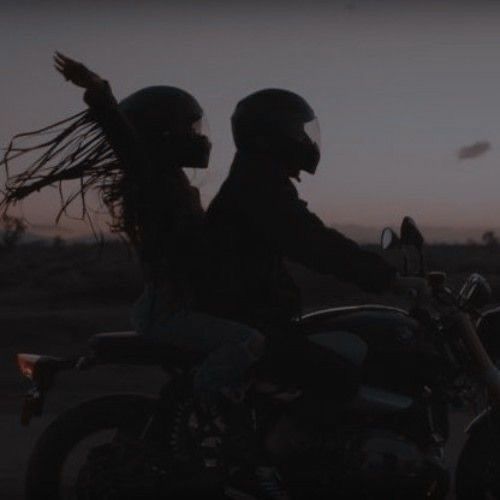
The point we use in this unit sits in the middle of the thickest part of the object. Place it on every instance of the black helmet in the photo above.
(279, 123)
(171, 122)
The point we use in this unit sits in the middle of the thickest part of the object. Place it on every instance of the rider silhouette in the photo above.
(257, 219)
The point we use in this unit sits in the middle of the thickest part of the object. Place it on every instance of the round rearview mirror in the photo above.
(410, 234)
(389, 239)
(476, 292)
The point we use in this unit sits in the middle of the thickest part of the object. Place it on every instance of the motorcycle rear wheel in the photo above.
(127, 414)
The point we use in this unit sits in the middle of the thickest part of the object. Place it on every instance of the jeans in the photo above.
(226, 344)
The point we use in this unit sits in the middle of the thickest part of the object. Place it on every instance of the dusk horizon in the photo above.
(364, 234)
(399, 93)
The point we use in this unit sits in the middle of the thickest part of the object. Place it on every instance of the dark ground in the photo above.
(52, 298)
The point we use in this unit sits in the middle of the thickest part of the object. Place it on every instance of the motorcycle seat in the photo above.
(132, 348)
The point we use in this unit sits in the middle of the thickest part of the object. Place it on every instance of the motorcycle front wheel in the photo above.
(477, 475)
(118, 414)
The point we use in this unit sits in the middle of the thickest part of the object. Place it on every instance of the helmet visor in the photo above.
(201, 127)
(313, 131)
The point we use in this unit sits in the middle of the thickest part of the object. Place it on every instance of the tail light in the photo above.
(41, 371)
(27, 364)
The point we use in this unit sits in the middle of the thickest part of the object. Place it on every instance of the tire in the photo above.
(477, 475)
(127, 413)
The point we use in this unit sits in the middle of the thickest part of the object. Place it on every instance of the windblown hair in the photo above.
(75, 148)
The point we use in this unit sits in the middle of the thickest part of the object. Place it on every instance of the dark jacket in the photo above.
(256, 221)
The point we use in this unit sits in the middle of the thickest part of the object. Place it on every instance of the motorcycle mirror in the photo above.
(476, 292)
(389, 239)
(410, 234)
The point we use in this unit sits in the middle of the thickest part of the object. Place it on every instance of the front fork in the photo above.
(484, 365)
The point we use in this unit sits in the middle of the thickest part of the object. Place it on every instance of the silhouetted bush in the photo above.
(13, 230)
(66, 274)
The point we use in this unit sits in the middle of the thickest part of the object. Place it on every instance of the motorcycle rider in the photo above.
(257, 220)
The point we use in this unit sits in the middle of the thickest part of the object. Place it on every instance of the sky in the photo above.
(399, 88)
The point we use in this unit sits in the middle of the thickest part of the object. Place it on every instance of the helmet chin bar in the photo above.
(197, 154)
(308, 156)
(301, 147)
(293, 155)
(184, 151)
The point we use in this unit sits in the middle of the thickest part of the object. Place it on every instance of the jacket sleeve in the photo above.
(302, 237)
(119, 132)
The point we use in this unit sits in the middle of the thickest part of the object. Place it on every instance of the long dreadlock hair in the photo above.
(73, 148)
(142, 201)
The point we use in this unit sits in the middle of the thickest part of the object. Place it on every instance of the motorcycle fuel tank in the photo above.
(398, 356)
(374, 323)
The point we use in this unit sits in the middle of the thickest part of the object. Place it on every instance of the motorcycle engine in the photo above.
(389, 464)
(358, 463)
(119, 470)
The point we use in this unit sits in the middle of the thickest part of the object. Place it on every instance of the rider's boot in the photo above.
(256, 483)
(250, 477)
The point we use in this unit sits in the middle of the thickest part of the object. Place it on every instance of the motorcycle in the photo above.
(386, 442)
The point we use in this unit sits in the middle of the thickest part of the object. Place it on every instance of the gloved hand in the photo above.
(77, 73)
(416, 286)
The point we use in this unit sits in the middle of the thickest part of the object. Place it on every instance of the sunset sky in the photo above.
(398, 86)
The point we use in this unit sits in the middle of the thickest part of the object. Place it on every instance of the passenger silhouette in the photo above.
(134, 153)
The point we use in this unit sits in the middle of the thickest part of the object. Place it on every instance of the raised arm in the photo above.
(136, 205)
(98, 95)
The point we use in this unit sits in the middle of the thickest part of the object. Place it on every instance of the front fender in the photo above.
(488, 329)
(487, 417)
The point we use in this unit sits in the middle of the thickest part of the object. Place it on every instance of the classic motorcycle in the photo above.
(387, 442)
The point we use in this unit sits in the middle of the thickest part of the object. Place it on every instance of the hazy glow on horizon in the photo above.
(397, 91)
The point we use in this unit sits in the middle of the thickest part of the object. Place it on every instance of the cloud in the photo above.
(475, 150)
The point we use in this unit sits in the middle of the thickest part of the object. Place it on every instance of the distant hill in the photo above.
(432, 234)
(360, 233)
(45, 233)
